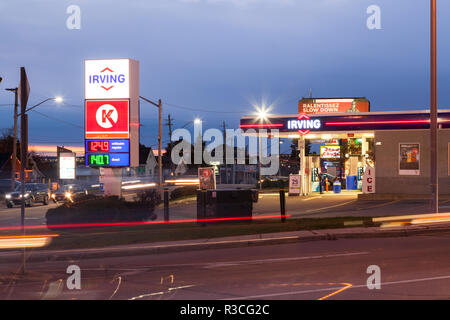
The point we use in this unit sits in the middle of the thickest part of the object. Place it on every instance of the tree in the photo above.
(7, 141)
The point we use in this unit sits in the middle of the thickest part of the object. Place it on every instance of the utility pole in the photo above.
(169, 124)
(225, 150)
(14, 153)
(433, 112)
(259, 159)
(159, 145)
(159, 106)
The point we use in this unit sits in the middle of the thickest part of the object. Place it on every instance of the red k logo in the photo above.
(106, 116)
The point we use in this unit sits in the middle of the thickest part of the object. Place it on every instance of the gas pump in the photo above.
(360, 177)
(315, 179)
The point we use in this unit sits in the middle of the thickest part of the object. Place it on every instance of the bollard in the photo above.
(203, 199)
(320, 184)
(282, 205)
(326, 184)
(166, 204)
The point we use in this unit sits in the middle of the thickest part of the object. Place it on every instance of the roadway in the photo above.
(416, 267)
(34, 215)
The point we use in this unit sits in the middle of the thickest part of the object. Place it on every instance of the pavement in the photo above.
(413, 267)
(226, 242)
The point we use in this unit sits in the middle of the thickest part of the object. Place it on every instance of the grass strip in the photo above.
(139, 234)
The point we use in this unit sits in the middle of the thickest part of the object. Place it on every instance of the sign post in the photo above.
(368, 183)
(24, 88)
(295, 184)
(207, 178)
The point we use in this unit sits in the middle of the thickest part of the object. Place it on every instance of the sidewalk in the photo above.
(226, 242)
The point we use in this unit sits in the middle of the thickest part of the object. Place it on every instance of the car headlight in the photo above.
(68, 195)
(8, 196)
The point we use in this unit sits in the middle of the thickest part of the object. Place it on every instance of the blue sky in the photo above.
(223, 56)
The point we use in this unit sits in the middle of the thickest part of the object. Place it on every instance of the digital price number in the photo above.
(98, 159)
(95, 146)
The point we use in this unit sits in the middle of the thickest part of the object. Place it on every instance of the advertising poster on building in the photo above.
(294, 184)
(330, 152)
(207, 178)
(409, 159)
(67, 165)
(309, 105)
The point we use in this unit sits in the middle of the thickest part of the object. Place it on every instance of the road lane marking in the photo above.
(118, 285)
(336, 288)
(159, 293)
(311, 198)
(347, 286)
(274, 260)
(334, 206)
(378, 205)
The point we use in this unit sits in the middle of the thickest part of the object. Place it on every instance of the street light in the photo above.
(262, 114)
(57, 99)
(16, 115)
(434, 201)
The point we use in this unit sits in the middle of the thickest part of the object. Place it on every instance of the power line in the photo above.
(200, 110)
(57, 119)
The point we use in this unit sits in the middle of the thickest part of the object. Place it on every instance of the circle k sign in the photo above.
(107, 119)
(106, 116)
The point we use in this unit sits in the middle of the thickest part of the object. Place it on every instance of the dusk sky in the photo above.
(220, 56)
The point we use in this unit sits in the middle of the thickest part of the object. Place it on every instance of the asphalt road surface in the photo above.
(416, 267)
(34, 215)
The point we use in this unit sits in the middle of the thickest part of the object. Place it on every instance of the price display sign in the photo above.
(107, 153)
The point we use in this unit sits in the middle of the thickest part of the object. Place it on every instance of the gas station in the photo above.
(380, 154)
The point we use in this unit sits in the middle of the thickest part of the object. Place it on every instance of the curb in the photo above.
(98, 253)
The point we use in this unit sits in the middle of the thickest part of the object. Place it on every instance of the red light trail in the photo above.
(115, 224)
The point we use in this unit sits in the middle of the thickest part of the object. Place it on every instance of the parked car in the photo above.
(34, 193)
(73, 192)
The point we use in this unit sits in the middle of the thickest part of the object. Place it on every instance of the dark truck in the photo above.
(34, 193)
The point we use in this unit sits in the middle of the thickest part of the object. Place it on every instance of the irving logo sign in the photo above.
(304, 124)
(107, 79)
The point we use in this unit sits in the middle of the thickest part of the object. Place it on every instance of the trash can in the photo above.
(352, 182)
(337, 187)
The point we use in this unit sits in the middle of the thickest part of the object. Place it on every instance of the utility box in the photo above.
(225, 203)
